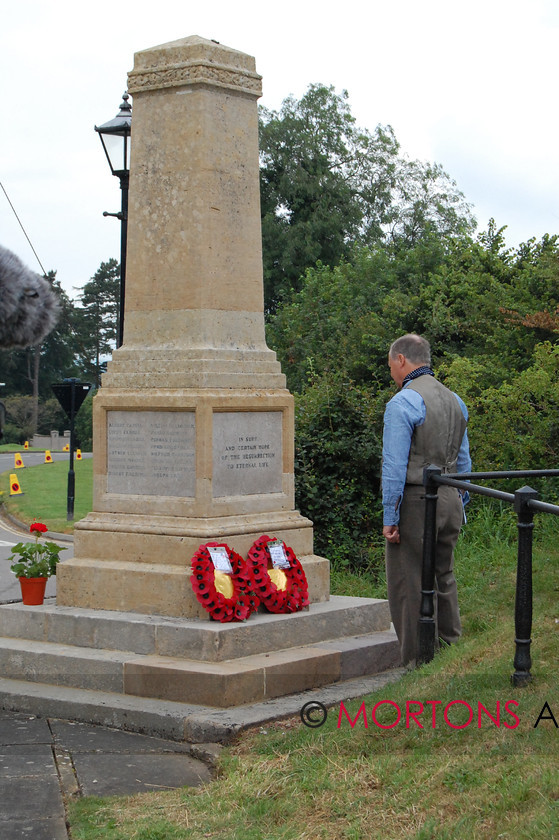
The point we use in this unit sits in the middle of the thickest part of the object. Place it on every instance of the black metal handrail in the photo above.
(525, 503)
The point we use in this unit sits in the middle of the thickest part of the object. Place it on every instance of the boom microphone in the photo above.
(29, 307)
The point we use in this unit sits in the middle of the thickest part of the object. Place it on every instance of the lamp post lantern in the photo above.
(115, 138)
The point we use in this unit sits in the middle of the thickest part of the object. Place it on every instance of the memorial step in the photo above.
(201, 662)
(204, 640)
(167, 719)
(222, 684)
(261, 677)
(46, 662)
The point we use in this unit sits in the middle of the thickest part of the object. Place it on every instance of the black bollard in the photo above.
(523, 604)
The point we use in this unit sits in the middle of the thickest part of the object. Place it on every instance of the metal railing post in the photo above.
(523, 603)
(426, 647)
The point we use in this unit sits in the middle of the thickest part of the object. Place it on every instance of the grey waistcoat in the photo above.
(438, 440)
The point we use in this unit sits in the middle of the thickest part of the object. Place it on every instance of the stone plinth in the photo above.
(193, 425)
(187, 661)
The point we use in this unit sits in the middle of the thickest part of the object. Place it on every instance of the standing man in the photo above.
(424, 423)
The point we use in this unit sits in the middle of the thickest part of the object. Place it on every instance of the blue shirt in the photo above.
(403, 413)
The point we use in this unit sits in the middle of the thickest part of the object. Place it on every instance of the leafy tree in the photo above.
(337, 467)
(484, 303)
(322, 181)
(21, 418)
(344, 318)
(51, 416)
(57, 352)
(25, 418)
(96, 320)
(327, 185)
(537, 287)
(515, 424)
(468, 298)
(425, 200)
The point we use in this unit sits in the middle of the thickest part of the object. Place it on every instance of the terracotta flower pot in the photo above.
(33, 590)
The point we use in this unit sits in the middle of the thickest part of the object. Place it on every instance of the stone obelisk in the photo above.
(193, 425)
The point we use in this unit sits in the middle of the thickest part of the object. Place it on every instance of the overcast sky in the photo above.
(472, 86)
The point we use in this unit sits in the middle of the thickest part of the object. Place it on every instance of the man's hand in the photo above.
(392, 533)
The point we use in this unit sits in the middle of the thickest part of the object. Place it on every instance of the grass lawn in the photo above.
(436, 776)
(17, 447)
(45, 494)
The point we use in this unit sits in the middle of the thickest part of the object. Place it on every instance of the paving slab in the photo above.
(112, 774)
(47, 762)
(18, 760)
(31, 797)
(17, 730)
(40, 829)
(31, 802)
(84, 738)
(110, 762)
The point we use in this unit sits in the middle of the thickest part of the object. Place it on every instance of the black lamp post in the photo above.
(71, 393)
(115, 137)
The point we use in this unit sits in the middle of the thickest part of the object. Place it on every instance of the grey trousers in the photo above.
(404, 565)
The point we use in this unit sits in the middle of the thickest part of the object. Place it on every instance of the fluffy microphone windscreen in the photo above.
(29, 306)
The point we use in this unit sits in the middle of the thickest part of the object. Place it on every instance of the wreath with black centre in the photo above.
(226, 597)
(281, 589)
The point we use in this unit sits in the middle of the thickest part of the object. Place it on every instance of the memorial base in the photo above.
(175, 469)
(197, 453)
(143, 671)
(134, 563)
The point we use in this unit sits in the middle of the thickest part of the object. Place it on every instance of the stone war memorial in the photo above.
(193, 443)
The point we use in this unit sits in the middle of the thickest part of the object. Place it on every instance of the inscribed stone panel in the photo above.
(247, 453)
(151, 453)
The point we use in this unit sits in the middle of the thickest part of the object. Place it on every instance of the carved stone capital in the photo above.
(196, 74)
(194, 61)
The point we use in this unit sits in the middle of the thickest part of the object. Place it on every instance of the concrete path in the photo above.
(44, 763)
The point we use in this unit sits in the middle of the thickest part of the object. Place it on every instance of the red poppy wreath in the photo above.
(278, 579)
(225, 595)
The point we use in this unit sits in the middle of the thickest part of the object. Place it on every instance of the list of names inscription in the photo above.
(151, 453)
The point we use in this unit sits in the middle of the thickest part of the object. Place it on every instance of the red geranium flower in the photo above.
(38, 527)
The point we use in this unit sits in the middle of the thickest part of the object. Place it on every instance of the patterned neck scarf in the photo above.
(420, 371)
